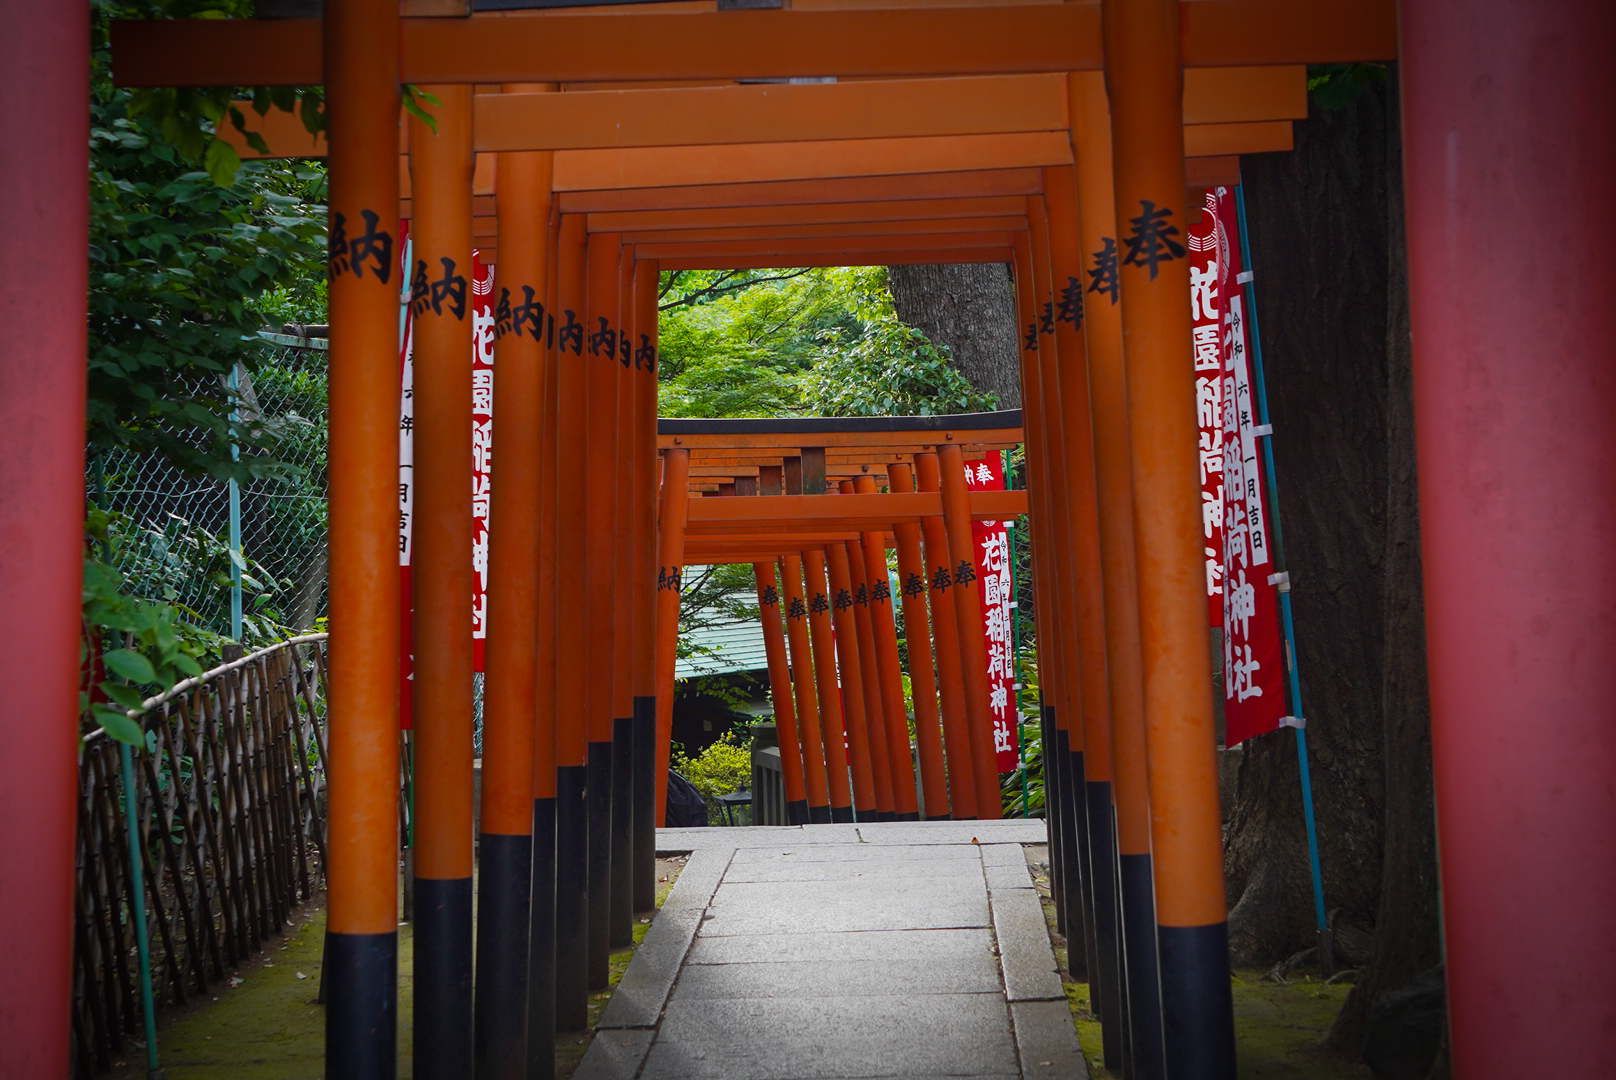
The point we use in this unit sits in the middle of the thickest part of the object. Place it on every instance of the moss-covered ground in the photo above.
(265, 1024)
(1275, 1024)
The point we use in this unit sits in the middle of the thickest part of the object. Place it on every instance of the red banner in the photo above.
(1253, 655)
(482, 445)
(996, 582)
(482, 419)
(1207, 261)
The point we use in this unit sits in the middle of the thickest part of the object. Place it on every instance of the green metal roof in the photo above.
(737, 645)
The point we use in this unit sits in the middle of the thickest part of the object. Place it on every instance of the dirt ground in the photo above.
(264, 1022)
(1275, 1024)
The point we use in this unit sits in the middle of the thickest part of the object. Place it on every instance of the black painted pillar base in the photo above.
(1105, 979)
(1142, 973)
(620, 925)
(883, 815)
(571, 900)
(912, 815)
(819, 815)
(504, 877)
(598, 800)
(442, 1041)
(797, 812)
(841, 813)
(541, 946)
(361, 1011)
(1055, 757)
(645, 810)
(1197, 1007)
(1075, 850)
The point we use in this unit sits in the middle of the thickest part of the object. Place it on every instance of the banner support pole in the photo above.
(1293, 676)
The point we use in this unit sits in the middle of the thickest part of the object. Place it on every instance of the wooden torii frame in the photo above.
(796, 464)
(1496, 181)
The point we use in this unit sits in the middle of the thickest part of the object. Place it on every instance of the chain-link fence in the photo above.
(176, 529)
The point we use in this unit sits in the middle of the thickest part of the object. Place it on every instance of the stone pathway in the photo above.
(852, 952)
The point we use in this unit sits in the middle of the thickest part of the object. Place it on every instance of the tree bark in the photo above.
(1326, 225)
(969, 309)
(1406, 935)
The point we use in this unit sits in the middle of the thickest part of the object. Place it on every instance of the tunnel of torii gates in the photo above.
(586, 150)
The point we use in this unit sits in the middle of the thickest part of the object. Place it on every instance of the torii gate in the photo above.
(1493, 490)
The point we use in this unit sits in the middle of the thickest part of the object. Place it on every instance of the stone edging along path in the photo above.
(895, 949)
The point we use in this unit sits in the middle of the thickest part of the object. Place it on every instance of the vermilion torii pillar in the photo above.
(511, 812)
(1144, 77)
(571, 654)
(44, 206)
(441, 298)
(815, 779)
(362, 110)
(1508, 109)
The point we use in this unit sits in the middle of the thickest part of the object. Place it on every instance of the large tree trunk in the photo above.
(969, 308)
(1406, 936)
(1326, 224)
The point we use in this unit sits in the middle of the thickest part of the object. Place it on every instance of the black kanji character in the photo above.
(450, 289)
(337, 246)
(406, 423)
(940, 578)
(964, 573)
(795, 609)
(645, 355)
(529, 313)
(819, 605)
(1031, 344)
(880, 592)
(914, 585)
(1103, 278)
(1152, 239)
(1046, 320)
(861, 595)
(770, 598)
(603, 340)
(1071, 303)
(502, 314)
(572, 334)
(419, 291)
(374, 246)
(843, 600)
(669, 577)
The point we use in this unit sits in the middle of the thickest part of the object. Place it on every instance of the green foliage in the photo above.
(722, 768)
(151, 647)
(886, 368)
(1335, 86)
(1032, 766)
(822, 342)
(183, 243)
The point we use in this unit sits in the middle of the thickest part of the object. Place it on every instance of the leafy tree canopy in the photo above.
(191, 251)
(814, 342)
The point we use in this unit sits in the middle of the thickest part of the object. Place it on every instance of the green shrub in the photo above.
(722, 768)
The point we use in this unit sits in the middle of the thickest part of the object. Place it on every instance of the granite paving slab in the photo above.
(841, 952)
(928, 1035)
(886, 946)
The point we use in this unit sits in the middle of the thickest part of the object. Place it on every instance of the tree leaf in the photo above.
(130, 665)
(118, 726)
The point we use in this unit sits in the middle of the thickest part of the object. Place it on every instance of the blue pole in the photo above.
(235, 517)
(1292, 672)
(137, 907)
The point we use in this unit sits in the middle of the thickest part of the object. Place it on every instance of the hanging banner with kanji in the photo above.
(1253, 653)
(406, 488)
(995, 581)
(1207, 260)
(482, 445)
